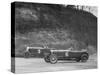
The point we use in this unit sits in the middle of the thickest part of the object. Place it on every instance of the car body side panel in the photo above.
(69, 54)
(33, 51)
(74, 54)
(45, 52)
(59, 54)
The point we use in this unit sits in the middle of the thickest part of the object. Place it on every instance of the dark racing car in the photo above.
(54, 55)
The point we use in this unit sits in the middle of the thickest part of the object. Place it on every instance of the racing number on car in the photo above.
(66, 54)
(39, 51)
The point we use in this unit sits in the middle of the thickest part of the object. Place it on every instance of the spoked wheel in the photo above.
(26, 55)
(46, 58)
(53, 59)
(84, 58)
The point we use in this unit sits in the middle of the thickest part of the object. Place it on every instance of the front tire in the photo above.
(53, 59)
(46, 58)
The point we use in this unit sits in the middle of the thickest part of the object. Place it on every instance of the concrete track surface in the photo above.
(24, 65)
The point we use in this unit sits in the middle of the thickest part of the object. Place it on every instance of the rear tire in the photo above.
(26, 54)
(77, 60)
(84, 58)
(53, 59)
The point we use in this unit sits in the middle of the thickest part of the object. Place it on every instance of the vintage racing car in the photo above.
(36, 51)
(54, 55)
(32, 51)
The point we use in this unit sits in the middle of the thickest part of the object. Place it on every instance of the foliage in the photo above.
(58, 26)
